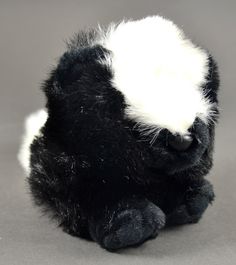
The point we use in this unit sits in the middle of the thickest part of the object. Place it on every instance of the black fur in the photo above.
(93, 171)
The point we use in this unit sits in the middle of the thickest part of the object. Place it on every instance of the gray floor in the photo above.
(31, 38)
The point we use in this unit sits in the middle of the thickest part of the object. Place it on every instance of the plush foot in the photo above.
(194, 205)
(129, 224)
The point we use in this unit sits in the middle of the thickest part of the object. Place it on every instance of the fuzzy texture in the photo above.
(97, 164)
(160, 72)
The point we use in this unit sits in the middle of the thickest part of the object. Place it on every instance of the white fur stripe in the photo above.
(33, 124)
(159, 71)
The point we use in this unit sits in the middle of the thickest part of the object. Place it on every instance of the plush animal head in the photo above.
(140, 86)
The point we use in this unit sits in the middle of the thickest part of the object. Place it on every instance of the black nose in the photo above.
(180, 143)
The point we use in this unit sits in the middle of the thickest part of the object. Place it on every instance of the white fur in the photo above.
(159, 72)
(33, 124)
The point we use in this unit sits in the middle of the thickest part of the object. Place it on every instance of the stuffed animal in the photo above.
(125, 141)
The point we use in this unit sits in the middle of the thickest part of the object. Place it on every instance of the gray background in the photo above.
(31, 38)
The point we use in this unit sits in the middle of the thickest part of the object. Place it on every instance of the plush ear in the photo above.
(80, 82)
(212, 86)
(77, 69)
(213, 80)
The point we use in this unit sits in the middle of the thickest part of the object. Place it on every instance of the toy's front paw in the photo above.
(194, 205)
(129, 227)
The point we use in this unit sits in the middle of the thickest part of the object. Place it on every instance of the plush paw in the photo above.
(194, 205)
(129, 227)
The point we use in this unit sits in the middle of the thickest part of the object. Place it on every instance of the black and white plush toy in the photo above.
(127, 136)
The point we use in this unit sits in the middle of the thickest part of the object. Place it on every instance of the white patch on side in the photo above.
(159, 72)
(33, 124)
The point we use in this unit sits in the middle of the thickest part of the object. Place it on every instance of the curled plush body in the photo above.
(127, 136)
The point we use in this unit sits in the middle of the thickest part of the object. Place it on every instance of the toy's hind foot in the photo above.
(182, 216)
(128, 226)
(194, 205)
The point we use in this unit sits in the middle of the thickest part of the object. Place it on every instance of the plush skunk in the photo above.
(126, 138)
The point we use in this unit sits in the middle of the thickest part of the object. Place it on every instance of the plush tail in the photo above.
(33, 124)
